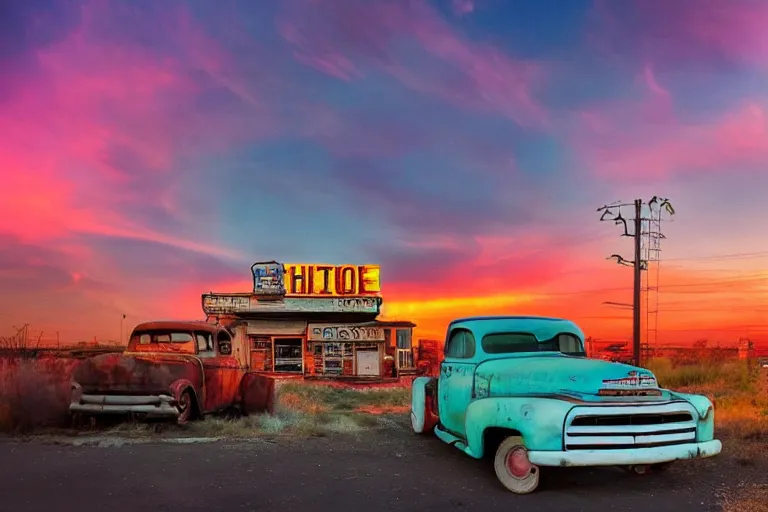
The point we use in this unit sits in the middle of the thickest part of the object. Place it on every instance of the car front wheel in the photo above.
(513, 468)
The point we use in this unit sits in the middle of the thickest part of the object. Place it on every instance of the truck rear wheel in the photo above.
(513, 468)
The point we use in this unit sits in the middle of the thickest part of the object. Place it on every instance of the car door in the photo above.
(456, 380)
(222, 371)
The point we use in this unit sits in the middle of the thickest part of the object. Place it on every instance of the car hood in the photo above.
(557, 374)
(128, 373)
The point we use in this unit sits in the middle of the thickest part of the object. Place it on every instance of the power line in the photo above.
(720, 283)
(714, 310)
(750, 328)
(750, 303)
(737, 255)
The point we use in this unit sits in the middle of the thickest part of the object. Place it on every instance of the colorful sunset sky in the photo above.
(151, 151)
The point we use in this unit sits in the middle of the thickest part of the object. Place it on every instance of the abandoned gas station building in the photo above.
(316, 321)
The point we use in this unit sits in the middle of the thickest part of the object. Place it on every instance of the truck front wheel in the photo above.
(186, 407)
(513, 468)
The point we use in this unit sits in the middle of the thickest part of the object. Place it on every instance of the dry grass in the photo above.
(291, 423)
(34, 392)
(313, 410)
(302, 410)
(315, 399)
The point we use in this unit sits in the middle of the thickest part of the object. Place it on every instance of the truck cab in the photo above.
(521, 389)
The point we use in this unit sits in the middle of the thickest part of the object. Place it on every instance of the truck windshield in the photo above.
(163, 341)
(512, 342)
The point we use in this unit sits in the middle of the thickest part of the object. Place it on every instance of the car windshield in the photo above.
(513, 342)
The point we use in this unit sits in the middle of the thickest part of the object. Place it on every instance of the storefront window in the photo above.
(288, 355)
(404, 338)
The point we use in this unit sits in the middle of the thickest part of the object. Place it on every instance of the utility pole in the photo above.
(638, 279)
(612, 212)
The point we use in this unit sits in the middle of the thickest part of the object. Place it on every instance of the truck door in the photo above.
(222, 371)
(456, 379)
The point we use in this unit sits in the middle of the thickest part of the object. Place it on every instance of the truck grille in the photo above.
(627, 427)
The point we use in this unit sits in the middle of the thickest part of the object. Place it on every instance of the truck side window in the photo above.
(461, 344)
(205, 344)
(569, 344)
(224, 341)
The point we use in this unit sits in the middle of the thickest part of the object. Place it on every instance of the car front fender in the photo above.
(538, 420)
(705, 430)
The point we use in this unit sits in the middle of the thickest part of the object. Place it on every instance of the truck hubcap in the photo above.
(517, 463)
(184, 408)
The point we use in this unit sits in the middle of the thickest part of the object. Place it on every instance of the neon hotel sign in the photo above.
(316, 280)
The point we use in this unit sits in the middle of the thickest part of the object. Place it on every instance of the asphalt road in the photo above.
(391, 470)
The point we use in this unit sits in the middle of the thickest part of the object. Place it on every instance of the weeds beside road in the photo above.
(34, 393)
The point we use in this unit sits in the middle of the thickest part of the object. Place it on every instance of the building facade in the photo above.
(314, 321)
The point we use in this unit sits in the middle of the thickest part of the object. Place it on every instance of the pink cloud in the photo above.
(413, 43)
(735, 141)
(463, 7)
(102, 125)
(685, 31)
(334, 65)
(646, 137)
(653, 85)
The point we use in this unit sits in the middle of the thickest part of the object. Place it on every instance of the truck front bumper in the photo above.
(626, 456)
(153, 405)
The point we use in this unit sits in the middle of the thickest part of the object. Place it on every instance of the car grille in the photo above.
(627, 427)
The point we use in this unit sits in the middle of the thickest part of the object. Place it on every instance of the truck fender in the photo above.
(539, 421)
(423, 410)
(179, 386)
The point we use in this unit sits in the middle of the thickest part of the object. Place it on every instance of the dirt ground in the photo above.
(388, 468)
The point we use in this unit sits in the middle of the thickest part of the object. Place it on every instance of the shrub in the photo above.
(709, 372)
(317, 399)
(34, 392)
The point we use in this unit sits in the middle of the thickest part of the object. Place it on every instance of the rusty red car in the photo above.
(177, 369)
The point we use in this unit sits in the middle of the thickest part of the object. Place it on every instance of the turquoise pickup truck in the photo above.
(522, 388)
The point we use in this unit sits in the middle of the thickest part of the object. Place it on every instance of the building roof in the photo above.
(394, 323)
